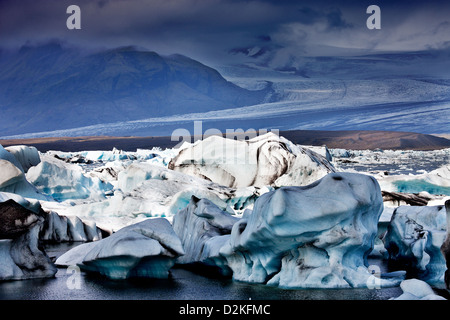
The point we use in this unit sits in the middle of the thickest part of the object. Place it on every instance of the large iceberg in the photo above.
(414, 238)
(315, 236)
(263, 160)
(145, 249)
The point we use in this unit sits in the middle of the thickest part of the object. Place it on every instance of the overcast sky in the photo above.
(209, 29)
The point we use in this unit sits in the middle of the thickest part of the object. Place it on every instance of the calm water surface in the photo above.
(182, 285)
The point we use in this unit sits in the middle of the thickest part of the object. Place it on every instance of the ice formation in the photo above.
(263, 160)
(27, 156)
(12, 177)
(57, 228)
(20, 255)
(203, 228)
(145, 249)
(64, 181)
(263, 210)
(146, 190)
(414, 237)
(8, 156)
(316, 236)
(414, 289)
(445, 248)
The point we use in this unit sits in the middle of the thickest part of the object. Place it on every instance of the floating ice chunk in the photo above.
(445, 248)
(145, 249)
(30, 204)
(316, 236)
(27, 156)
(12, 180)
(146, 190)
(201, 227)
(63, 181)
(414, 289)
(8, 156)
(21, 258)
(414, 238)
(9, 174)
(16, 220)
(435, 182)
(61, 228)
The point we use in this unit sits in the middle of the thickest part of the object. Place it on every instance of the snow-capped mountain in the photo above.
(52, 87)
(130, 91)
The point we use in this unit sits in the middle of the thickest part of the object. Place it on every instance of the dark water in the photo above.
(182, 285)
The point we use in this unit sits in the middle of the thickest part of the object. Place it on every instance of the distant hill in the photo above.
(354, 140)
(361, 140)
(51, 87)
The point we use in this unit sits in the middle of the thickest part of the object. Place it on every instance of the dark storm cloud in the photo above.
(211, 28)
(332, 17)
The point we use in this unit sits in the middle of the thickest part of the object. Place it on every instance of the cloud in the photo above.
(332, 17)
(209, 30)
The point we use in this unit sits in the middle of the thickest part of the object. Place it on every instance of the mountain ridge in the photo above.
(50, 87)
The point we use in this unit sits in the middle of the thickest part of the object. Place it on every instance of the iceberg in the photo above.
(9, 174)
(146, 190)
(8, 156)
(261, 161)
(21, 258)
(16, 220)
(445, 248)
(13, 180)
(27, 156)
(315, 236)
(414, 289)
(30, 204)
(203, 228)
(64, 181)
(58, 228)
(414, 238)
(20, 255)
(435, 182)
(145, 249)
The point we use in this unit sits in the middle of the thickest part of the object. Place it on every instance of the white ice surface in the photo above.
(145, 249)
(317, 236)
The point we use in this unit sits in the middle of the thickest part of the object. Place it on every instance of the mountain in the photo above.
(52, 87)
